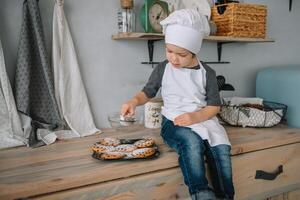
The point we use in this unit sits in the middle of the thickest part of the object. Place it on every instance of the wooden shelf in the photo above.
(237, 39)
(159, 36)
(138, 36)
(220, 40)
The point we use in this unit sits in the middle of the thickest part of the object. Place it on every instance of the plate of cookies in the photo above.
(110, 148)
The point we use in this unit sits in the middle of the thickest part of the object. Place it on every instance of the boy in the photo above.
(191, 101)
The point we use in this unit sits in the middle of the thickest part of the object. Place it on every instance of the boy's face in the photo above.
(180, 57)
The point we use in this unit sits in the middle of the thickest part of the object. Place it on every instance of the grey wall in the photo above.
(111, 69)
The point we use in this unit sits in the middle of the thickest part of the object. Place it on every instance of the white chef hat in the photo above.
(186, 28)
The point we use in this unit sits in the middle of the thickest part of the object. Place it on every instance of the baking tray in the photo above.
(97, 155)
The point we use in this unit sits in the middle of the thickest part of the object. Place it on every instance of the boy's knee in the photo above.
(190, 141)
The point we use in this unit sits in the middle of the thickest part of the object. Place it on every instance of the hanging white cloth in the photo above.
(11, 133)
(201, 5)
(69, 89)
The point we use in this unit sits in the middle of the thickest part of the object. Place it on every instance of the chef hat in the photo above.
(186, 28)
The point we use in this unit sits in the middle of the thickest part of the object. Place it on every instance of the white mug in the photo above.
(153, 117)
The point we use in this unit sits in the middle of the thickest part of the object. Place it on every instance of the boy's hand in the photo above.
(204, 114)
(186, 119)
(128, 109)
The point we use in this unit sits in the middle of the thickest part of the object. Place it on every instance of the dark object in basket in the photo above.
(222, 85)
(257, 106)
(147, 151)
(221, 9)
(253, 115)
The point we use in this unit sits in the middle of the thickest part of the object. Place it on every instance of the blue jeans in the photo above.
(191, 150)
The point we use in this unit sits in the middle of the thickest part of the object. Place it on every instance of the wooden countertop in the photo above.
(26, 172)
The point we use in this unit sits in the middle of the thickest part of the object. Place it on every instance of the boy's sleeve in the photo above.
(155, 79)
(212, 90)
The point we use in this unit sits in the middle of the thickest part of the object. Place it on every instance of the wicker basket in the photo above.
(240, 20)
(266, 115)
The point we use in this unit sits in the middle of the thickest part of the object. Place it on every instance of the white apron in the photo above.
(183, 90)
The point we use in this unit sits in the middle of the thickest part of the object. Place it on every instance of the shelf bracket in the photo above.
(219, 48)
(290, 6)
(216, 62)
(150, 52)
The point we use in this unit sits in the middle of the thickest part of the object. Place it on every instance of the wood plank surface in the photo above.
(168, 184)
(245, 166)
(162, 185)
(68, 164)
(292, 195)
(245, 140)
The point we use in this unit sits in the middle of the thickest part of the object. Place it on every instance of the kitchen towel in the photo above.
(11, 133)
(34, 90)
(69, 89)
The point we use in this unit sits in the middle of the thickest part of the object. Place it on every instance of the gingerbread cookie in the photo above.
(148, 142)
(109, 141)
(125, 148)
(143, 152)
(112, 155)
(99, 148)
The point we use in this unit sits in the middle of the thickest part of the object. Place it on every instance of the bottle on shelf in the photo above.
(126, 17)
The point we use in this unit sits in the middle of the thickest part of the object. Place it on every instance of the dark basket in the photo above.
(266, 115)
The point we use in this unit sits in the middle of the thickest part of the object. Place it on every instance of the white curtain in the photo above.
(11, 133)
(69, 89)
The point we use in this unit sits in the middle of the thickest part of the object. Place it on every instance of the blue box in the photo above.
(281, 85)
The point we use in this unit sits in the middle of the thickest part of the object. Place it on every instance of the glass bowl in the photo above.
(117, 123)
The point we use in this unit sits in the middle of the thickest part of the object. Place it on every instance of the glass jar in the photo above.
(126, 17)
